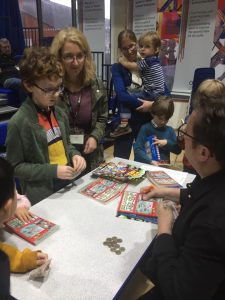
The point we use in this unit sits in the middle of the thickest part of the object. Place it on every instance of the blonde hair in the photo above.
(73, 35)
(150, 38)
(210, 88)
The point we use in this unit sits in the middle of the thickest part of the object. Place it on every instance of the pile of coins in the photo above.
(114, 245)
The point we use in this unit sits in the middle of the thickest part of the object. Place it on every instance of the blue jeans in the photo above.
(125, 112)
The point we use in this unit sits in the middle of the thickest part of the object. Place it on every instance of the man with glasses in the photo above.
(186, 260)
(38, 143)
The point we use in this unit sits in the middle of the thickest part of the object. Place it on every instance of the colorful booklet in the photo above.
(151, 149)
(121, 171)
(132, 206)
(33, 231)
(103, 190)
(162, 179)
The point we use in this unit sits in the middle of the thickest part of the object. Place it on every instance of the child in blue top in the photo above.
(165, 137)
(151, 74)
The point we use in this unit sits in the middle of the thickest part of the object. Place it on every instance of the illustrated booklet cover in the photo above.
(33, 231)
(132, 206)
(151, 149)
(120, 171)
(103, 190)
(162, 179)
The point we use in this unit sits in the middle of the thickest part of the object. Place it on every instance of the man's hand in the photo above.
(165, 217)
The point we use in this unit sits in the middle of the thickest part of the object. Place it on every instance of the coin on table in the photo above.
(119, 240)
(114, 238)
(113, 249)
(105, 243)
(108, 240)
(122, 249)
(118, 252)
(116, 246)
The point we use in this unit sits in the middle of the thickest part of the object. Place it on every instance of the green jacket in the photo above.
(99, 119)
(27, 151)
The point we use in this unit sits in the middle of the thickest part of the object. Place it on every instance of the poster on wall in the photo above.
(218, 51)
(169, 20)
(144, 16)
(195, 43)
(94, 23)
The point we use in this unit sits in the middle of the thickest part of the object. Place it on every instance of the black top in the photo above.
(7, 68)
(190, 263)
(4, 276)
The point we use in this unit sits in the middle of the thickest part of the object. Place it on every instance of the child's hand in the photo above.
(65, 172)
(154, 163)
(160, 143)
(23, 214)
(79, 163)
(41, 258)
(121, 59)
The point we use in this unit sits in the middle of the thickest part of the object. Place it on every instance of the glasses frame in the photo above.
(49, 92)
(179, 130)
(73, 57)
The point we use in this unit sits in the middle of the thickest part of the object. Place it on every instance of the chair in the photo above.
(200, 75)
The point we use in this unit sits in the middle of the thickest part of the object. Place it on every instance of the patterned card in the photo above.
(131, 205)
(121, 171)
(103, 190)
(162, 179)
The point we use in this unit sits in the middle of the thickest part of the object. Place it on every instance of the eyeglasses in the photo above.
(129, 48)
(50, 92)
(69, 57)
(181, 131)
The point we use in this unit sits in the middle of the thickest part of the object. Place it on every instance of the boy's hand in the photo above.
(154, 163)
(41, 258)
(23, 214)
(79, 163)
(160, 143)
(65, 172)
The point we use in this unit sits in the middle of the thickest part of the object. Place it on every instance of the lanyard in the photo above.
(74, 111)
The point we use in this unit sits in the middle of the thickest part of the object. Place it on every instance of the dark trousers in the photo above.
(124, 143)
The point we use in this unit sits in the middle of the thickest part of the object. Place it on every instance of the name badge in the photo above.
(77, 139)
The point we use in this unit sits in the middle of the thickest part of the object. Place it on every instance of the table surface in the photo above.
(82, 267)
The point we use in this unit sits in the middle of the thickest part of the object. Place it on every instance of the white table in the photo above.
(82, 267)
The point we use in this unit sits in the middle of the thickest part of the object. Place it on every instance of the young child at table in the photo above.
(27, 259)
(38, 143)
(165, 137)
(151, 74)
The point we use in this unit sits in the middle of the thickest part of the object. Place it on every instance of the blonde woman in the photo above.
(84, 97)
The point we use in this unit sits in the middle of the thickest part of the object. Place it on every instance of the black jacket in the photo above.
(7, 68)
(190, 263)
